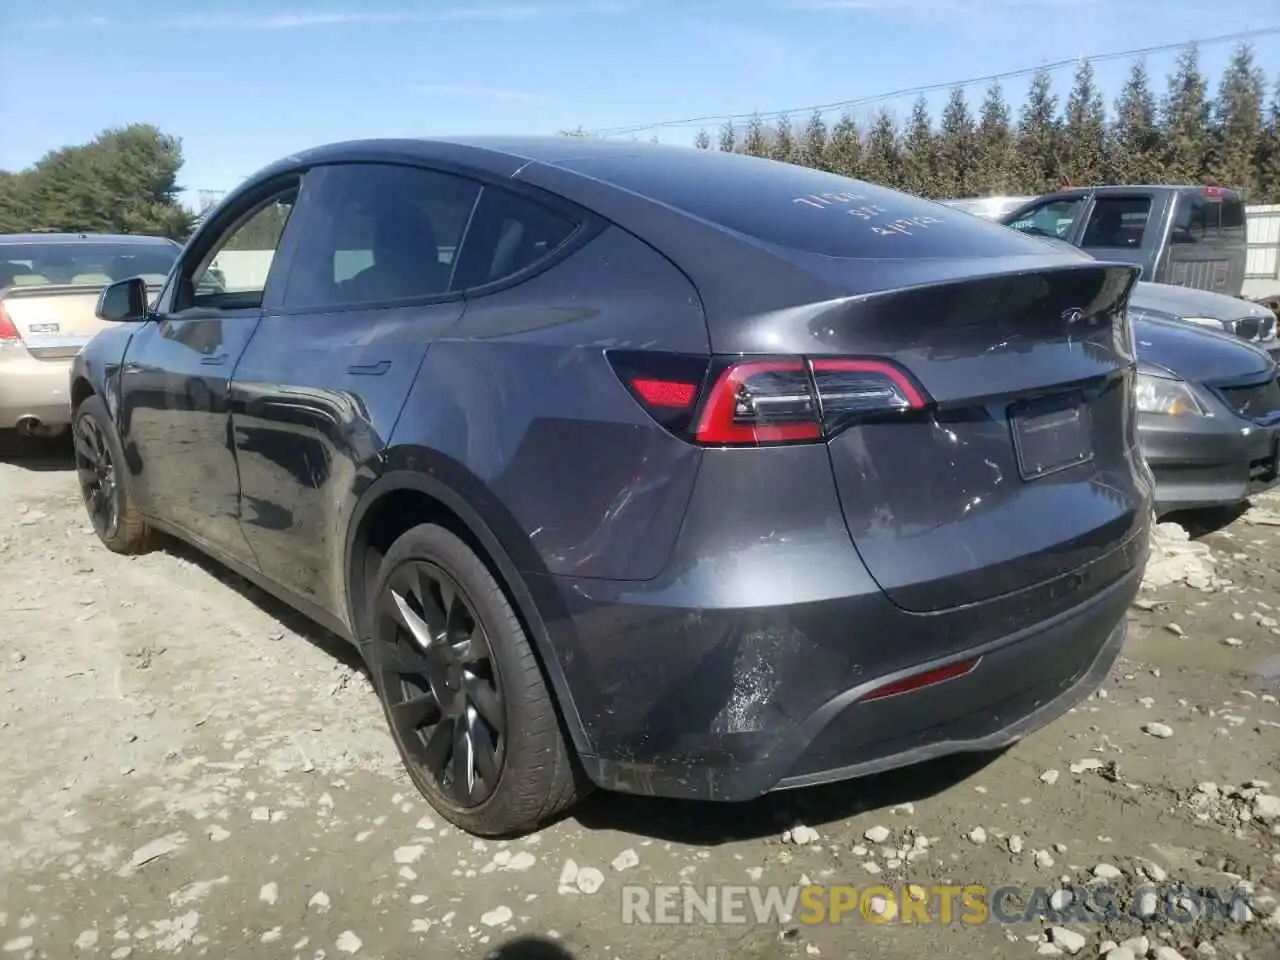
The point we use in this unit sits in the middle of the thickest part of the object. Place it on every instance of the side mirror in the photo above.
(124, 301)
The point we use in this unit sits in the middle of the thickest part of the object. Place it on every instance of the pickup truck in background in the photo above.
(1185, 236)
(49, 287)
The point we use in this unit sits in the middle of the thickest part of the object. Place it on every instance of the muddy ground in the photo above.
(188, 769)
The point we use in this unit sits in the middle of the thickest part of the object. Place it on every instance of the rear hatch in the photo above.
(1019, 463)
(1207, 247)
(53, 322)
(1022, 467)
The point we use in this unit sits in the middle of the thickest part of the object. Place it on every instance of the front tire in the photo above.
(103, 479)
(462, 690)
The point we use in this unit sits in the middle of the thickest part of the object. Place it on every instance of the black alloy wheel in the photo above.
(99, 482)
(440, 683)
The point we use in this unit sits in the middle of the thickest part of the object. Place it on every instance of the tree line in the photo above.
(125, 180)
(1183, 136)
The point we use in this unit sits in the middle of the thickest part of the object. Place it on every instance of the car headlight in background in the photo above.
(1170, 397)
(1206, 322)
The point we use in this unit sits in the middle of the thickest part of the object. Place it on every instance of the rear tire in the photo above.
(104, 480)
(463, 691)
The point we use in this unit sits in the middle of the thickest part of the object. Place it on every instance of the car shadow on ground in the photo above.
(38, 454)
(1201, 523)
(682, 821)
(529, 948)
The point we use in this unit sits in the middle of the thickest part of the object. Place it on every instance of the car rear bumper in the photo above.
(1207, 461)
(728, 704)
(33, 388)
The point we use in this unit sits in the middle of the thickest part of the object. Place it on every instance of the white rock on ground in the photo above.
(1266, 807)
(877, 834)
(589, 879)
(269, 893)
(1015, 844)
(1105, 871)
(1175, 558)
(800, 835)
(1161, 731)
(1050, 777)
(1089, 763)
(348, 942)
(1068, 940)
(1139, 945)
(497, 917)
(626, 860)
(1121, 953)
(978, 835)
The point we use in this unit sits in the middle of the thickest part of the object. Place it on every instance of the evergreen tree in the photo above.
(957, 149)
(1135, 151)
(1269, 153)
(1084, 144)
(124, 181)
(755, 143)
(813, 143)
(994, 153)
(1185, 121)
(920, 152)
(1237, 125)
(702, 140)
(1037, 165)
(844, 148)
(728, 138)
(882, 157)
(784, 141)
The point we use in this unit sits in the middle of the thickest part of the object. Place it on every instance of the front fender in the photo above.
(98, 364)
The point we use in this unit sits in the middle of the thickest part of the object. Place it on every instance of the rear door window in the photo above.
(378, 233)
(508, 235)
(798, 208)
(1200, 218)
(1117, 222)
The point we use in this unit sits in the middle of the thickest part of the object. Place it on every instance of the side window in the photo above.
(508, 233)
(1202, 220)
(1117, 222)
(377, 233)
(1053, 218)
(233, 273)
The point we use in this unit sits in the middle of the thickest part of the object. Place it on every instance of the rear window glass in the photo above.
(96, 264)
(1117, 222)
(800, 208)
(1203, 219)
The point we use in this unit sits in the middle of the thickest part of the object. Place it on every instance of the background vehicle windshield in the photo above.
(84, 262)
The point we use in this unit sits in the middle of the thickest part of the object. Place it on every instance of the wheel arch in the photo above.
(400, 499)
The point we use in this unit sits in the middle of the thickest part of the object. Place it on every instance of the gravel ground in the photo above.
(189, 769)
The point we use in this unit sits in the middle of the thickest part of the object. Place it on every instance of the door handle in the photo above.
(215, 361)
(370, 369)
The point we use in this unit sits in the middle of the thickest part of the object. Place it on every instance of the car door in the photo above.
(175, 414)
(1124, 228)
(321, 385)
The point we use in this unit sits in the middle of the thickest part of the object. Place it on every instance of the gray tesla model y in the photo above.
(668, 471)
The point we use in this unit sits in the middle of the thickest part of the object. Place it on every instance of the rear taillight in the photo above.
(7, 330)
(765, 401)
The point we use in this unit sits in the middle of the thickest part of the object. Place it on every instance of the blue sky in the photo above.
(244, 83)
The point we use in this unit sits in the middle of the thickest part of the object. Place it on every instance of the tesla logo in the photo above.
(1074, 315)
